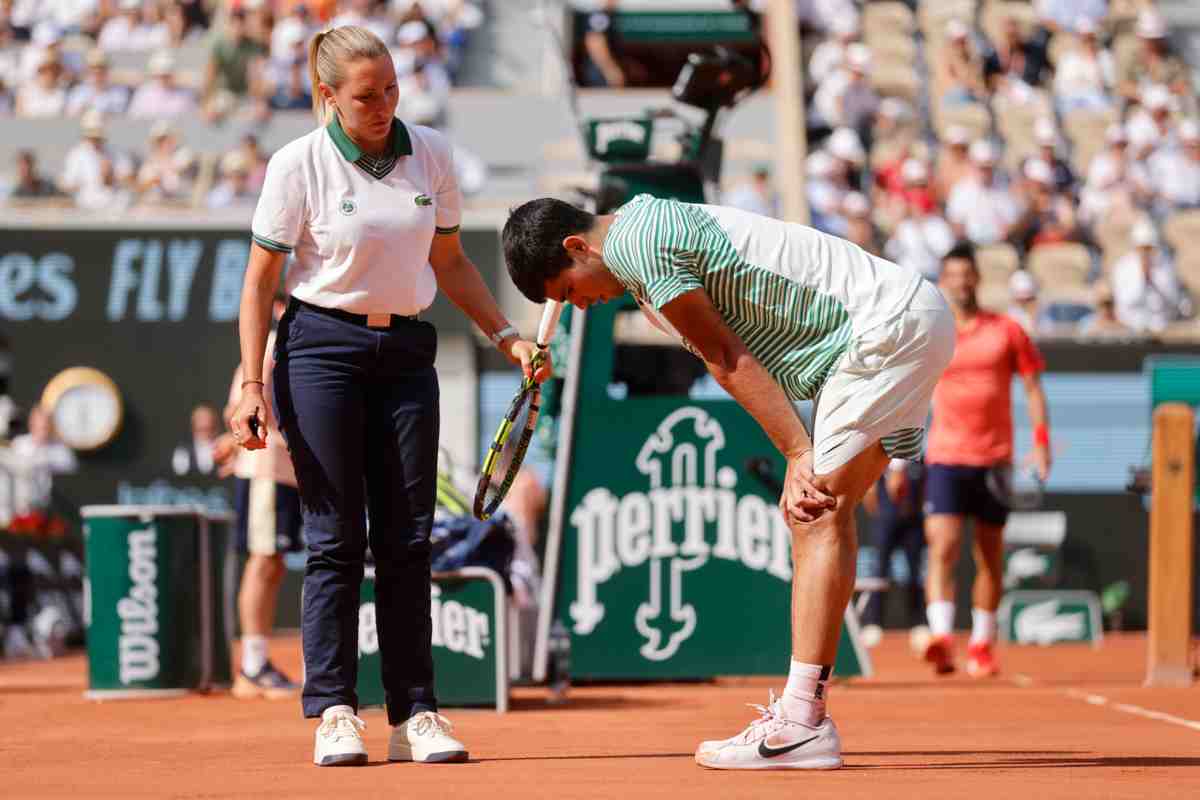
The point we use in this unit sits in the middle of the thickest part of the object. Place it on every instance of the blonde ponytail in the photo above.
(329, 51)
(314, 47)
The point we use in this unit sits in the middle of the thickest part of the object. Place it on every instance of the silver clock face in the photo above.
(87, 416)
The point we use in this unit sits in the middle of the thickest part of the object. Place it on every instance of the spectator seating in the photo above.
(975, 117)
(996, 263)
(1061, 269)
(882, 20)
(1085, 129)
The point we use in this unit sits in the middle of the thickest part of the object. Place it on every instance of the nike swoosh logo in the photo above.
(771, 752)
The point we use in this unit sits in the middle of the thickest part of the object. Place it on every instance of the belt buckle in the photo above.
(379, 320)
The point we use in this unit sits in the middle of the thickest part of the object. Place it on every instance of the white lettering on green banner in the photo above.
(456, 627)
(137, 645)
(690, 492)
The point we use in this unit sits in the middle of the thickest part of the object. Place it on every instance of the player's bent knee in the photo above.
(833, 523)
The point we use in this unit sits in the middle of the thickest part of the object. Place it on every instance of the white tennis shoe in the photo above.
(774, 742)
(339, 739)
(425, 737)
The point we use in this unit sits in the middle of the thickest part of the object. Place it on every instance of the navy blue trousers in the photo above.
(359, 409)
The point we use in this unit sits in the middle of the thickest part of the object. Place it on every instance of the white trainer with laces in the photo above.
(425, 737)
(774, 742)
(339, 739)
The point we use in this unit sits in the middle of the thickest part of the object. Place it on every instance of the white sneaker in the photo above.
(425, 737)
(775, 742)
(339, 739)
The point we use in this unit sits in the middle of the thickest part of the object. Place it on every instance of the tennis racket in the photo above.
(507, 451)
(1017, 490)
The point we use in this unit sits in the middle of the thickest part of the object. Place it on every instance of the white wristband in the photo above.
(504, 333)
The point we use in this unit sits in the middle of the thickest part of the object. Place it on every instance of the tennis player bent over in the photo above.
(779, 313)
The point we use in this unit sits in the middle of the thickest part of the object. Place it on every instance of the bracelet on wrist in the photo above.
(507, 332)
(245, 383)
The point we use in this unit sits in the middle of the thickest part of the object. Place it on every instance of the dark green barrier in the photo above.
(658, 28)
(1175, 379)
(470, 640)
(152, 609)
(669, 558)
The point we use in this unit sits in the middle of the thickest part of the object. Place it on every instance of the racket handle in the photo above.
(549, 322)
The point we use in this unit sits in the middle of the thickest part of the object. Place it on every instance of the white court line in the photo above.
(1090, 698)
(1127, 708)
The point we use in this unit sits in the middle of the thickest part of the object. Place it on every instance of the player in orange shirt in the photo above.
(971, 436)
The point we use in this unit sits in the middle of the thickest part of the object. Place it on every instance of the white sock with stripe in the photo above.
(803, 698)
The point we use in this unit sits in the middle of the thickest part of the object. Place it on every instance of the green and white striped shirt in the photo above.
(797, 297)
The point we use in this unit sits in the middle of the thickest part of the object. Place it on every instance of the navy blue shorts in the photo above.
(963, 491)
(268, 517)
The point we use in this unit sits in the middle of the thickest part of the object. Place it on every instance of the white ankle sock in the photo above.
(983, 625)
(254, 654)
(941, 617)
(804, 696)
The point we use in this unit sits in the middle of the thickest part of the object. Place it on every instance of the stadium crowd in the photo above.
(1058, 136)
(57, 60)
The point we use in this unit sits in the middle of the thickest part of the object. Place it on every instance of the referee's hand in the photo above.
(247, 423)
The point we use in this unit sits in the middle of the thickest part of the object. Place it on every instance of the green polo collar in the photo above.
(401, 142)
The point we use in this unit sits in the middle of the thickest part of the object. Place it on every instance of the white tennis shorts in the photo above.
(882, 387)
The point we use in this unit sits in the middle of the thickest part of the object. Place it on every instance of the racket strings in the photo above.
(507, 450)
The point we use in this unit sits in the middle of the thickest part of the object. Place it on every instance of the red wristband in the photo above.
(1041, 436)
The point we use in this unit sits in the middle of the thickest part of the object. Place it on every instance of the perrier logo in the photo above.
(423, 200)
(689, 514)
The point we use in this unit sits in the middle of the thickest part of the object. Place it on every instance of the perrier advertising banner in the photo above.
(469, 610)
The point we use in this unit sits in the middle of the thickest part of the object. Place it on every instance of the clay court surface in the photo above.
(1065, 722)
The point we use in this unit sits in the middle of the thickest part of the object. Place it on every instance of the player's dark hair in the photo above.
(533, 242)
(964, 250)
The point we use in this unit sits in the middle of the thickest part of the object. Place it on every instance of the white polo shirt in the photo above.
(359, 231)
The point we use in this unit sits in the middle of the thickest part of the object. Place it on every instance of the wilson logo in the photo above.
(137, 644)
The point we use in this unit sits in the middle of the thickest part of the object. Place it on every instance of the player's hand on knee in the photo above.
(805, 497)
